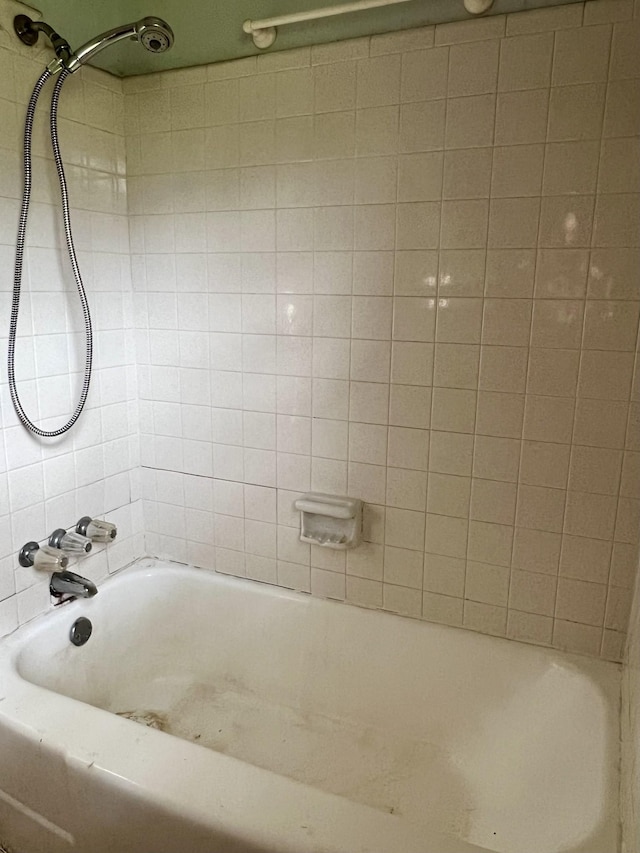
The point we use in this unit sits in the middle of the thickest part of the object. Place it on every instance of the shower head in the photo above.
(154, 34)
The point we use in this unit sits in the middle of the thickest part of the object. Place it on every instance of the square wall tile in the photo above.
(490, 543)
(532, 593)
(410, 406)
(529, 628)
(456, 365)
(408, 448)
(517, 171)
(462, 272)
(473, 68)
(467, 173)
(578, 601)
(378, 81)
(446, 536)
(540, 508)
(553, 372)
(545, 464)
(420, 176)
(487, 584)
(464, 224)
(451, 453)
(536, 550)
(500, 414)
(448, 495)
(453, 410)
(622, 114)
(510, 273)
(585, 559)
(442, 608)
(421, 126)
(506, 322)
(496, 458)
(335, 87)
(581, 55)
(522, 117)
(576, 112)
(493, 501)
(444, 575)
(525, 62)
(424, 74)
(459, 320)
(406, 489)
(470, 121)
(590, 515)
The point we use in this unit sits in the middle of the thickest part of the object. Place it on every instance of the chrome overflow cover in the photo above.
(80, 631)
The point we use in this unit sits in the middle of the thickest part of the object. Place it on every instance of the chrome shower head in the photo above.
(154, 34)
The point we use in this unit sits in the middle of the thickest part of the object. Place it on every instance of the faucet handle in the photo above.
(47, 559)
(74, 543)
(96, 529)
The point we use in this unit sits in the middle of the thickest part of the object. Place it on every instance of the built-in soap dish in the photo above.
(330, 520)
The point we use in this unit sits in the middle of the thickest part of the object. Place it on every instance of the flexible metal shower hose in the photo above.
(17, 280)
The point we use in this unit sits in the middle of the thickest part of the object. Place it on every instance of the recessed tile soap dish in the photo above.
(330, 520)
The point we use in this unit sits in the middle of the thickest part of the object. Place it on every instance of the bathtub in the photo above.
(208, 714)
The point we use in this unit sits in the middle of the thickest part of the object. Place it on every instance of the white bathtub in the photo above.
(295, 724)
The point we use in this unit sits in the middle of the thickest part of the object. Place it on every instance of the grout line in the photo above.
(529, 347)
(582, 349)
(480, 344)
(435, 332)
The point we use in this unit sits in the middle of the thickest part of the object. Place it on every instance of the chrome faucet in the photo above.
(68, 583)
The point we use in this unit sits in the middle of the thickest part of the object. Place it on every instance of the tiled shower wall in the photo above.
(93, 469)
(403, 268)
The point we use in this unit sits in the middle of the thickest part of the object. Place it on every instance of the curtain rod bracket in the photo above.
(263, 37)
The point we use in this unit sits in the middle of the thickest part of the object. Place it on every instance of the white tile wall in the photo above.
(406, 268)
(93, 469)
(356, 268)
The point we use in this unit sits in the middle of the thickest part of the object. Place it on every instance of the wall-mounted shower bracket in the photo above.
(28, 32)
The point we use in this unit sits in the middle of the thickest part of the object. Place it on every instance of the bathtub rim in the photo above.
(29, 707)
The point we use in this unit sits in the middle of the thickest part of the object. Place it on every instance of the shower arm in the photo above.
(28, 31)
(83, 54)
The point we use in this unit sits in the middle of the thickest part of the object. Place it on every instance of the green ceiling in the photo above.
(211, 30)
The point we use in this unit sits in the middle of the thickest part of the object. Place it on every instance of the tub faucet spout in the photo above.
(68, 583)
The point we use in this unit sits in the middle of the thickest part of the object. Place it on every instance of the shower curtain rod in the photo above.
(264, 31)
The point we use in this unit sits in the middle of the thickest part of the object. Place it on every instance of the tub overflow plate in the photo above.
(80, 631)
